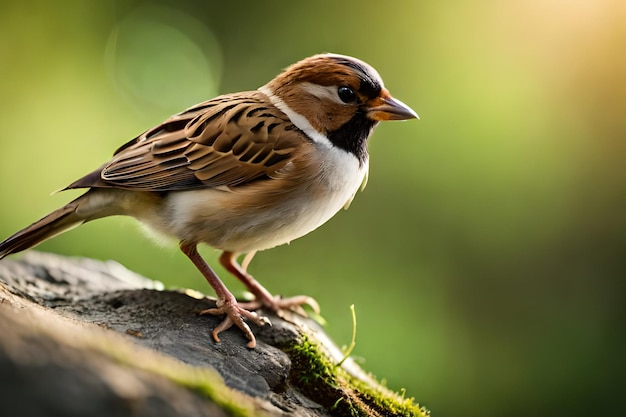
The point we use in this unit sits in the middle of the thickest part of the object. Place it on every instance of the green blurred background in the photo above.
(486, 257)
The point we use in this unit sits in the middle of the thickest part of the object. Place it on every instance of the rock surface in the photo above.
(79, 337)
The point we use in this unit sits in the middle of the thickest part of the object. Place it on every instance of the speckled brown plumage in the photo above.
(208, 145)
(241, 172)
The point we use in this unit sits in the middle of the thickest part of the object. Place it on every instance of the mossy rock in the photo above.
(90, 338)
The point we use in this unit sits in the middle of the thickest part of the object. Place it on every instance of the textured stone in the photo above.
(80, 337)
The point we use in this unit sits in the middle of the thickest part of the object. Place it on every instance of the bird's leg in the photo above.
(226, 302)
(262, 297)
(246, 260)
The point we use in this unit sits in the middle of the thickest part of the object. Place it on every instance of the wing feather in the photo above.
(227, 141)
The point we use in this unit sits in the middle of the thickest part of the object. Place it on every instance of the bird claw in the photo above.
(295, 304)
(277, 304)
(235, 314)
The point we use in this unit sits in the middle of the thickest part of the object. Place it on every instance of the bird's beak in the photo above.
(385, 107)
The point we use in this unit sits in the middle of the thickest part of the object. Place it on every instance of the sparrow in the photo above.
(242, 172)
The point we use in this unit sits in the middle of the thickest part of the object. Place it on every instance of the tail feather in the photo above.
(49, 226)
(94, 204)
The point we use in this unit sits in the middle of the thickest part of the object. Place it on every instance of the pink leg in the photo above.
(262, 297)
(226, 302)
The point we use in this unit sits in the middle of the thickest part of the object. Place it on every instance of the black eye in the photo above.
(346, 94)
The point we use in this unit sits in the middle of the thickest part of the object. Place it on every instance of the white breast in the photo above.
(340, 177)
(210, 215)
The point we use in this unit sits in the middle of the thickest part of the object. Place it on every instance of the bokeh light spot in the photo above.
(163, 59)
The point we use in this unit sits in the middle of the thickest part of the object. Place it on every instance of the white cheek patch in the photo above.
(322, 92)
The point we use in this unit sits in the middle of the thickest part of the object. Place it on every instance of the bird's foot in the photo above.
(235, 313)
(279, 305)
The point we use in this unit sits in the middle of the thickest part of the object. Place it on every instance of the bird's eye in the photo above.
(346, 94)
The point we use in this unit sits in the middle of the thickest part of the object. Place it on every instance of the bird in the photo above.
(241, 172)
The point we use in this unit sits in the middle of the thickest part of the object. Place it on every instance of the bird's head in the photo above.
(336, 97)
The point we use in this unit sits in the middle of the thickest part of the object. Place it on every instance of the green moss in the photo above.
(344, 395)
(313, 374)
(212, 386)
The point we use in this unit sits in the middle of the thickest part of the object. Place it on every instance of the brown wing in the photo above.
(229, 140)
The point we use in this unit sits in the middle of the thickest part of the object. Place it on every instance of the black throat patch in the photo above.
(352, 136)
